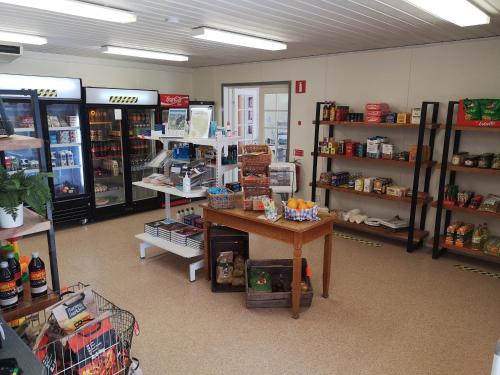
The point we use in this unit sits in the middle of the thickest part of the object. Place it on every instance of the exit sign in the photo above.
(300, 87)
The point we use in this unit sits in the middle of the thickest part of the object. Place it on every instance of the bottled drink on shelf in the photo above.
(8, 289)
(15, 269)
(38, 277)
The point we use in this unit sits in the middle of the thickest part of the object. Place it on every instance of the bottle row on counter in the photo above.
(377, 147)
(374, 112)
(466, 235)
(468, 199)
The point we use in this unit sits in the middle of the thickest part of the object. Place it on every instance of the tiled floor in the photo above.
(389, 312)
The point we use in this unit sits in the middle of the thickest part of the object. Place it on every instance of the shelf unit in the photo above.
(149, 241)
(413, 237)
(33, 223)
(438, 244)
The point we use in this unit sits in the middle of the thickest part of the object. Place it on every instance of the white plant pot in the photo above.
(6, 220)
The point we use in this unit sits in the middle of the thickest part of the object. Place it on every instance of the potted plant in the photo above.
(17, 189)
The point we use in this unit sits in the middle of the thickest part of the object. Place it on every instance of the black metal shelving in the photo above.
(439, 246)
(414, 237)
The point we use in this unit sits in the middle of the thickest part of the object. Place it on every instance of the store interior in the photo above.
(282, 187)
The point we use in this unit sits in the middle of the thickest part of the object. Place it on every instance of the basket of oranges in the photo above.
(300, 210)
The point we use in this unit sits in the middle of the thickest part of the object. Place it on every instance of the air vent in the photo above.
(10, 52)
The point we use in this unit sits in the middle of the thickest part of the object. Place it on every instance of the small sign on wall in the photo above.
(298, 152)
(300, 87)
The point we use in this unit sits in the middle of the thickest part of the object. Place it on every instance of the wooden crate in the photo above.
(276, 299)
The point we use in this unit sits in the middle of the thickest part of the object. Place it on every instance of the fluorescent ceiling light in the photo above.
(78, 8)
(460, 12)
(142, 53)
(22, 38)
(236, 39)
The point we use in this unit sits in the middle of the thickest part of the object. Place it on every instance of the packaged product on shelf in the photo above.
(360, 150)
(471, 161)
(63, 161)
(492, 246)
(391, 117)
(490, 109)
(485, 160)
(451, 232)
(373, 146)
(426, 152)
(490, 204)
(355, 117)
(325, 178)
(341, 113)
(359, 184)
(464, 235)
(476, 238)
(341, 147)
(377, 107)
(402, 156)
(463, 198)
(475, 201)
(350, 149)
(458, 158)
(8, 288)
(368, 184)
(69, 157)
(339, 178)
(403, 118)
(260, 280)
(450, 195)
(387, 151)
(397, 191)
(415, 115)
(495, 163)
(332, 111)
(225, 267)
(380, 184)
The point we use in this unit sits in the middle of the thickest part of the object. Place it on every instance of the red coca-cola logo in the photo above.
(174, 100)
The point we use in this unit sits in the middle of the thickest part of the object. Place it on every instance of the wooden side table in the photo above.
(291, 232)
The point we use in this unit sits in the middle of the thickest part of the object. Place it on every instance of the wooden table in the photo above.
(292, 232)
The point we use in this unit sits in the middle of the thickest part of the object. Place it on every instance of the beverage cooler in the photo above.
(61, 111)
(118, 120)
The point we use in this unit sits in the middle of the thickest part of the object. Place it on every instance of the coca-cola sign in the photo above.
(174, 100)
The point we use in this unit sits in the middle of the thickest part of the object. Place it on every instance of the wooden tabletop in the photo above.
(292, 226)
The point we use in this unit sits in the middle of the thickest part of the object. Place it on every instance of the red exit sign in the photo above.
(300, 87)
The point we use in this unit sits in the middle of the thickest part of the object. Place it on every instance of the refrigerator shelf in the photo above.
(100, 122)
(65, 144)
(66, 167)
(60, 128)
(23, 130)
(27, 171)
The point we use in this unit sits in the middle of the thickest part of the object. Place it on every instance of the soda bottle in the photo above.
(8, 289)
(15, 269)
(38, 277)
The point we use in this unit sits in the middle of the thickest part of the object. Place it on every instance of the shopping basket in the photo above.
(100, 347)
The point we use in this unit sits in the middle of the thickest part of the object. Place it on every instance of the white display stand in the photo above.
(148, 240)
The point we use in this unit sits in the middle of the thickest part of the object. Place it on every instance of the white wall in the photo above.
(402, 77)
(104, 72)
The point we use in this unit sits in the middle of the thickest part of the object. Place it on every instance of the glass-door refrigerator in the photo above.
(60, 108)
(118, 122)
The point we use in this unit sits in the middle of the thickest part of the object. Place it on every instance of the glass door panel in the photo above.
(140, 122)
(21, 116)
(276, 123)
(107, 155)
(65, 139)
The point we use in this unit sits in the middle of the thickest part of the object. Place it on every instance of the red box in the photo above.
(482, 123)
(349, 149)
(373, 118)
(375, 113)
(377, 107)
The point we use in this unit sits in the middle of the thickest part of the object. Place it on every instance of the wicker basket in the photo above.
(226, 200)
(264, 158)
(250, 204)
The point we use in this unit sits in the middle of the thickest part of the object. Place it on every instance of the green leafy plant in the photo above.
(17, 188)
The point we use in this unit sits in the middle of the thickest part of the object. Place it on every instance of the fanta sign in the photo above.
(174, 100)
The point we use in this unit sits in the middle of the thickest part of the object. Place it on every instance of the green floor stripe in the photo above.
(476, 270)
(359, 240)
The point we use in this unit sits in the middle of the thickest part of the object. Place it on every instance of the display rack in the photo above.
(413, 237)
(33, 223)
(438, 244)
(147, 240)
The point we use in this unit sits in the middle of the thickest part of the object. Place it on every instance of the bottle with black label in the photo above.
(38, 277)
(8, 289)
(15, 268)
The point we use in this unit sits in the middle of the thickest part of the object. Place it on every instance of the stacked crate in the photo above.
(254, 175)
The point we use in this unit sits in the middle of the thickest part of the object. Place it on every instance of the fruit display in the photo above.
(300, 210)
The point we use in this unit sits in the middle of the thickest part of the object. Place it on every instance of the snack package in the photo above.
(451, 233)
(225, 267)
(76, 310)
(490, 204)
(472, 109)
(260, 280)
(490, 109)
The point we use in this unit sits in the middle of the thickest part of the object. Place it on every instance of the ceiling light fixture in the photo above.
(78, 8)
(143, 54)
(236, 39)
(459, 12)
(22, 38)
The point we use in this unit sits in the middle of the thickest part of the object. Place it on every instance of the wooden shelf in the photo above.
(19, 142)
(371, 195)
(462, 168)
(28, 306)
(398, 163)
(418, 235)
(468, 251)
(471, 211)
(100, 122)
(383, 125)
(473, 128)
(33, 223)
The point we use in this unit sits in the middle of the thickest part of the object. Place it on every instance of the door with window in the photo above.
(275, 121)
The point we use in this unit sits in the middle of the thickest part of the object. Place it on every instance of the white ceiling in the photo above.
(310, 27)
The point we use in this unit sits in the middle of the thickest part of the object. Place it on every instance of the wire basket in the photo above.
(219, 201)
(100, 347)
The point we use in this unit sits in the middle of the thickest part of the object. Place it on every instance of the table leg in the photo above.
(297, 275)
(206, 255)
(327, 262)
